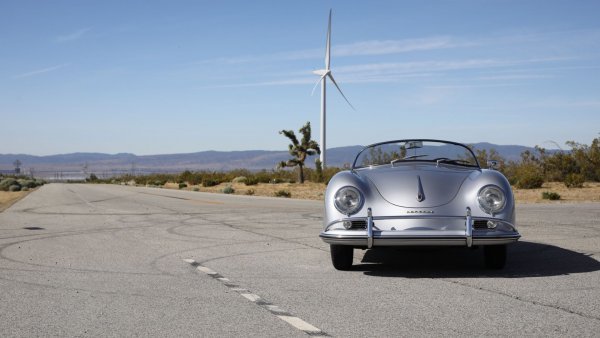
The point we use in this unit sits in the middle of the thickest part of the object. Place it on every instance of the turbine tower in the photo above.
(324, 74)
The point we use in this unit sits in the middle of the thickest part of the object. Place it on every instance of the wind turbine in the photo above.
(324, 74)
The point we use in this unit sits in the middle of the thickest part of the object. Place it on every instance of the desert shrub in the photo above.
(14, 187)
(547, 195)
(574, 180)
(196, 189)
(279, 176)
(6, 183)
(530, 181)
(239, 179)
(558, 166)
(276, 180)
(24, 183)
(251, 181)
(318, 171)
(24, 189)
(325, 176)
(182, 185)
(529, 177)
(228, 190)
(209, 182)
(283, 193)
(190, 177)
(250, 192)
(151, 179)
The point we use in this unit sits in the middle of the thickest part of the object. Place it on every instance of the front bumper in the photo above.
(421, 230)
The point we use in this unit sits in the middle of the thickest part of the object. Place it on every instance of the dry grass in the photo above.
(8, 198)
(308, 190)
(589, 193)
(315, 191)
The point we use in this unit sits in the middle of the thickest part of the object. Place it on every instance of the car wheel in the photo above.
(495, 256)
(341, 256)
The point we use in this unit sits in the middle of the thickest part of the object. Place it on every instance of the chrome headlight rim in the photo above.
(343, 204)
(484, 196)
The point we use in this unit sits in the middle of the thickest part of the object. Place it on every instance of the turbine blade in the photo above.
(328, 44)
(340, 90)
(316, 84)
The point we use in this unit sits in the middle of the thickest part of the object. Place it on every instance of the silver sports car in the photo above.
(418, 192)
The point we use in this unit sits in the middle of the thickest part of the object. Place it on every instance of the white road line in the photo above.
(240, 290)
(256, 299)
(300, 324)
(206, 270)
(250, 296)
(275, 309)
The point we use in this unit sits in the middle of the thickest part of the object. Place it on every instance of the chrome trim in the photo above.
(414, 216)
(369, 228)
(420, 193)
(361, 240)
(469, 228)
(372, 236)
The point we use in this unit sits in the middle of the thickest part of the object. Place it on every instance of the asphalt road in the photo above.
(104, 260)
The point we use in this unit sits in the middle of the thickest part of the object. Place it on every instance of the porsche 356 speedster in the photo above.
(418, 192)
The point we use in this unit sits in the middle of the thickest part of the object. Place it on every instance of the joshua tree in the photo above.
(300, 150)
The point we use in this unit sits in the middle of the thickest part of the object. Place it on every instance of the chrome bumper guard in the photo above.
(369, 228)
(369, 237)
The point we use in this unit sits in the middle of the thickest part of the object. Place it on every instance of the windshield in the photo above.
(408, 151)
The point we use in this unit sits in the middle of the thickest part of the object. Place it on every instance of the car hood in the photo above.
(417, 186)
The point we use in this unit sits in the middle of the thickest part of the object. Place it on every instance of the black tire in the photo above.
(341, 256)
(495, 256)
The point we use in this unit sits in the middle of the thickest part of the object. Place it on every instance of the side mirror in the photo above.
(492, 164)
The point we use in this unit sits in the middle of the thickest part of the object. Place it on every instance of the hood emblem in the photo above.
(420, 194)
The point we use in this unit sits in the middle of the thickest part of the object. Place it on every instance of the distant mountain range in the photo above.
(205, 160)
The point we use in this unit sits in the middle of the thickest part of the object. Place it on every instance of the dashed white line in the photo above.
(206, 270)
(300, 324)
(258, 300)
(250, 296)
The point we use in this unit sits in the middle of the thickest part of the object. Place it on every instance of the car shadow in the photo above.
(525, 259)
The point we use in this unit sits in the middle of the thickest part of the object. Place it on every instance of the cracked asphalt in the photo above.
(107, 260)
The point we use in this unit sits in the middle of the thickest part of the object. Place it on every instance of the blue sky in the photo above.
(153, 77)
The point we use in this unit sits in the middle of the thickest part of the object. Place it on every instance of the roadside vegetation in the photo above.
(19, 183)
(572, 175)
(15, 187)
(557, 169)
(539, 175)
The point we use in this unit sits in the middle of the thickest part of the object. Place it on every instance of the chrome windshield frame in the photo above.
(354, 166)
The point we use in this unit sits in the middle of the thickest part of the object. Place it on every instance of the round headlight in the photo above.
(491, 199)
(348, 200)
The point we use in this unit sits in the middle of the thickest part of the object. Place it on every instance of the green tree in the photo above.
(587, 158)
(300, 150)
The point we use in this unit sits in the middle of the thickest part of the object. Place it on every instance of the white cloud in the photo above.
(396, 71)
(72, 36)
(393, 72)
(369, 47)
(377, 47)
(39, 71)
